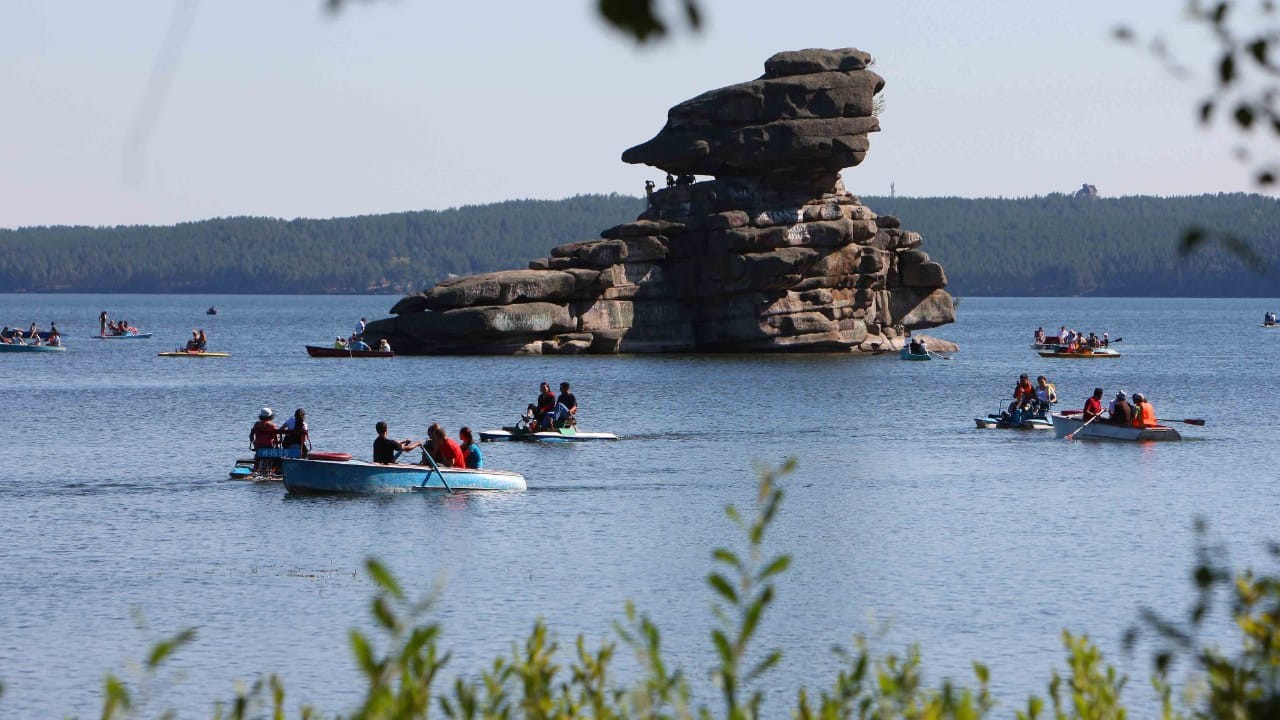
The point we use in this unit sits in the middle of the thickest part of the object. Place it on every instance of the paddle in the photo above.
(1189, 421)
(427, 456)
(936, 354)
(1085, 425)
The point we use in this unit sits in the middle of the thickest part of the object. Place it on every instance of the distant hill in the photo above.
(1052, 245)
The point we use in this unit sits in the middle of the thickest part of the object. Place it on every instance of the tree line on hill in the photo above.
(1056, 245)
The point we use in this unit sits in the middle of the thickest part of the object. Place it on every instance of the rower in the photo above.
(1144, 414)
(1093, 406)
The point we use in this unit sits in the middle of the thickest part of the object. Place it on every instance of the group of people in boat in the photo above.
(1073, 340)
(1032, 400)
(443, 450)
(199, 341)
(357, 343)
(549, 411)
(106, 327)
(31, 336)
(914, 344)
(1139, 414)
(1268, 318)
(293, 433)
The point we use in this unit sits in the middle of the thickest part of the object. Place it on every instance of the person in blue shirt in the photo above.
(470, 451)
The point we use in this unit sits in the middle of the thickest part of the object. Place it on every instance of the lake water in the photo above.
(906, 522)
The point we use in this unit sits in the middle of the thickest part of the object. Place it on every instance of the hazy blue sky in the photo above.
(278, 108)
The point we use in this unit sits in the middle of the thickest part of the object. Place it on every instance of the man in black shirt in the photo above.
(386, 450)
(566, 406)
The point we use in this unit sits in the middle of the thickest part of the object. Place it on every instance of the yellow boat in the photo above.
(184, 353)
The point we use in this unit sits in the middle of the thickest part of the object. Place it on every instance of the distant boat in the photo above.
(1099, 430)
(332, 352)
(126, 336)
(193, 354)
(5, 347)
(211, 311)
(906, 354)
(1062, 351)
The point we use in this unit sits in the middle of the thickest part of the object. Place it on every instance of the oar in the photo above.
(435, 467)
(1189, 421)
(1085, 425)
(936, 354)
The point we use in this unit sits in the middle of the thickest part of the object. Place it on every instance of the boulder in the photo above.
(500, 288)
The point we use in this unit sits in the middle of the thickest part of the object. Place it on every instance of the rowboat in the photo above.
(135, 336)
(5, 347)
(521, 433)
(906, 354)
(357, 476)
(1088, 353)
(332, 352)
(193, 354)
(1064, 425)
(1271, 325)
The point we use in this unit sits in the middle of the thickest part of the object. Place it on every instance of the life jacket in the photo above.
(1144, 415)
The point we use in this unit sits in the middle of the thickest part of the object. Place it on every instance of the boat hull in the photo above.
(358, 476)
(31, 348)
(515, 433)
(184, 353)
(330, 352)
(1099, 430)
(1087, 354)
(138, 336)
(906, 354)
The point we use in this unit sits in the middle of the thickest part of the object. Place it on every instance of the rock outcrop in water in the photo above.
(771, 255)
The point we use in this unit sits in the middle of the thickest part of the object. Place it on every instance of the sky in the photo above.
(282, 109)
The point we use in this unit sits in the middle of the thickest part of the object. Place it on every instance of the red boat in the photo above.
(332, 352)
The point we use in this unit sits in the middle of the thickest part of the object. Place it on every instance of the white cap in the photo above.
(265, 413)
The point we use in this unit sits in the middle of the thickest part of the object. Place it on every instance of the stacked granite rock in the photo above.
(773, 254)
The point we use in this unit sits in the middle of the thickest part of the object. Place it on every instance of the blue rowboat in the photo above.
(906, 354)
(358, 476)
(4, 347)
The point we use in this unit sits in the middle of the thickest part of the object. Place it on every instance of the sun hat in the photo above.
(1121, 395)
(1139, 396)
(265, 413)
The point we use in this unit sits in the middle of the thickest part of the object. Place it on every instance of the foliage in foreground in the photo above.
(402, 668)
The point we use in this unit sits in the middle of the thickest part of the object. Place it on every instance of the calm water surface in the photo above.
(906, 522)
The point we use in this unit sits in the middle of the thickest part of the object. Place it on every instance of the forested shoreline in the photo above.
(1053, 245)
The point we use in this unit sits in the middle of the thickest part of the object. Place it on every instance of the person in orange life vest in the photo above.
(1144, 414)
(1023, 393)
(1093, 406)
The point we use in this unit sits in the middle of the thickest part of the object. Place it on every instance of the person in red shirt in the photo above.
(1093, 406)
(444, 451)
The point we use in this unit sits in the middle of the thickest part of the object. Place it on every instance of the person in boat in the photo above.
(1120, 411)
(1092, 341)
(360, 327)
(339, 343)
(263, 435)
(357, 344)
(53, 329)
(1106, 340)
(545, 403)
(55, 340)
(386, 450)
(470, 450)
(1046, 395)
(566, 406)
(1093, 406)
(384, 346)
(1023, 393)
(193, 345)
(102, 323)
(202, 341)
(1269, 318)
(295, 433)
(1144, 414)
(443, 450)
(1039, 336)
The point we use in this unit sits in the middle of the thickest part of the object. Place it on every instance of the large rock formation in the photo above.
(773, 254)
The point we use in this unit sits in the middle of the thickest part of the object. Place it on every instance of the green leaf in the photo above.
(1191, 239)
(633, 17)
(722, 646)
(1206, 111)
(1258, 49)
(383, 578)
(722, 587)
(1227, 69)
(363, 653)
(779, 564)
(165, 648)
(728, 558)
